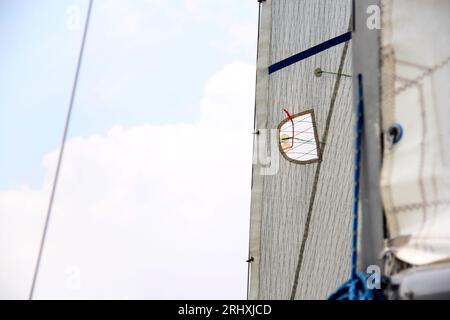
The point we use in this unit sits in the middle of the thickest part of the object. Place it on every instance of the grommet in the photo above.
(318, 72)
(395, 133)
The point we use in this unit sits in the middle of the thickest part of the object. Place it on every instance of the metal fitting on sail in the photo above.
(318, 72)
(394, 133)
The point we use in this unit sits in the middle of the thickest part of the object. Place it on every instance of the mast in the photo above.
(366, 61)
(300, 229)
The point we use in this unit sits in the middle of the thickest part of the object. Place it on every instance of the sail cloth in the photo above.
(415, 181)
(301, 213)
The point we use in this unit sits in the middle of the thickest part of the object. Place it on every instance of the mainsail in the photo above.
(300, 233)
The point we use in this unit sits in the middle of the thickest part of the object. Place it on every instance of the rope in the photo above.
(356, 288)
(61, 153)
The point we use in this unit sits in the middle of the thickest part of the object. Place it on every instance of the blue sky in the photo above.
(145, 62)
(159, 147)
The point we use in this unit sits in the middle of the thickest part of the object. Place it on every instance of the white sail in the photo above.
(415, 95)
(300, 235)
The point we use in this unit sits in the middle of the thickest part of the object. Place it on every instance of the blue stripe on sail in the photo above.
(310, 52)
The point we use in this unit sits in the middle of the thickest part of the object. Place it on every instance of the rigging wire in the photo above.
(61, 152)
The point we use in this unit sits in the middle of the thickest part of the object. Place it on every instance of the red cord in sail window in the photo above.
(293, 129)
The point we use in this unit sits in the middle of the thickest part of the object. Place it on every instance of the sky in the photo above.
(154, 193)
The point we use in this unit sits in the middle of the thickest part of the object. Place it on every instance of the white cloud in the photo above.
(143, 212)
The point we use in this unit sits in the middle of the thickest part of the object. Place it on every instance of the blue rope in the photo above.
(356, 288)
